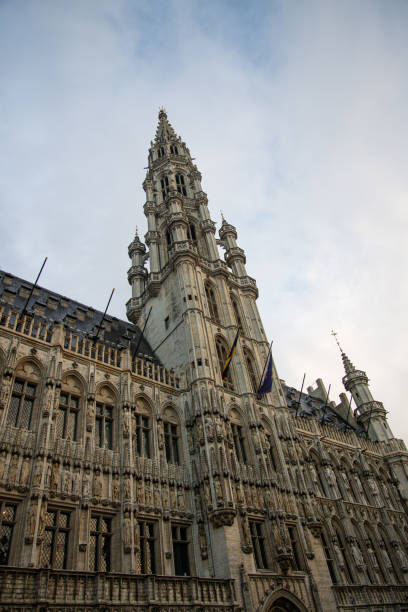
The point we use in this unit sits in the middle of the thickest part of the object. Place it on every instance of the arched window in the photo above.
(222, 354)
(168, 238)
(249, 362)
(23, 396)
(68, 421)
(142, 425)
(191, 232)
(164, 182)
(181, 186)
(173, 150)
(160, 152)
(236, 311)
(329, 558)
(171, 430)
(212, 303)
(104, 420)
(238, 436)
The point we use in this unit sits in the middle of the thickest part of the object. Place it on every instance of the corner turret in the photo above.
(370, 414)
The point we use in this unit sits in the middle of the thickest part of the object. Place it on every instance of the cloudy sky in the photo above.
(297, 114)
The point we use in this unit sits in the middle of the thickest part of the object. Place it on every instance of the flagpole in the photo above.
(265, 366)
(141, 335)
(300, 394)
(103, 318)
(22, 313)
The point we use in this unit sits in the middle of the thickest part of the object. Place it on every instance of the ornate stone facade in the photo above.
(131, 485)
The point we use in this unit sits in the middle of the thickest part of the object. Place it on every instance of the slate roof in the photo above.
(305, 405)
(77, 317)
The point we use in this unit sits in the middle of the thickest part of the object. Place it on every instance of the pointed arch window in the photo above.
(181, 186)
(191, 232)
(165, 188)
(104, 420)
(173, 150)
(67, 419)
(236, 311)
(329, 558)
(142, 429)
(160, 152)
(22, 403)
(212, 303)
(222, 354)
(249, 362)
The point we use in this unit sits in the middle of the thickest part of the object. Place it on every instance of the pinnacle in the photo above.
(164, 130)
(348, 366)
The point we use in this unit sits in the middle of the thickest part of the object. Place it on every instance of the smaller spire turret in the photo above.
(370, 414)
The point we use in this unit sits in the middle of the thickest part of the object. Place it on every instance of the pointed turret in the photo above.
(370, 414)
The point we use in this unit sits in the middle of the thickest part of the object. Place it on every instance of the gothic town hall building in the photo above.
(134, 478)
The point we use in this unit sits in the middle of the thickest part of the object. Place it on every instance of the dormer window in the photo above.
(160, 152)
(164, 186)
(181, 188)
(173, 150)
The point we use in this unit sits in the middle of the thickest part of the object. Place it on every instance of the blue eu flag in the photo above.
(266, 386)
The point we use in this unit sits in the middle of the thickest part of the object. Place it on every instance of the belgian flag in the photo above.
(225, 369)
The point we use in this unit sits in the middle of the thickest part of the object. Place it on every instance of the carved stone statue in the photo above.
(180, 498)
(127, 532)
(76, 482)
(55, 476)
(86, 484)
(31, 519)
(357, 556)
(126, 488)
(38, 473)
(67, 482)
(25, 471)
(97, 484)
(115, 487)
(13, 469)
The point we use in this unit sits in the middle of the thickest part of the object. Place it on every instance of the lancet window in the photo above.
(249, 361)
(147, 539)
(171, 440)
(160, 152)
(20, 413)
(7, 522)
(54, 548)
(212, 303)
(174, 150)
(100, 543)
(236, 311)
(258, 544)
(104, 419)
(164, 183)
(142, 429)
(67, 417)
(222, 354)
(329, 558)
(180, 183)
(180, 540)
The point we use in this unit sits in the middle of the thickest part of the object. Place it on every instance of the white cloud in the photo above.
(297, 116)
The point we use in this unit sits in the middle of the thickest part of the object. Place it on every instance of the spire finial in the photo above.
(137, 232)
(348, 366)
(334, 334)
(162, 113)
(222, 217)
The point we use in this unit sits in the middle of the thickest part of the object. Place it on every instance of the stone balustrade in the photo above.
(83, 590)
